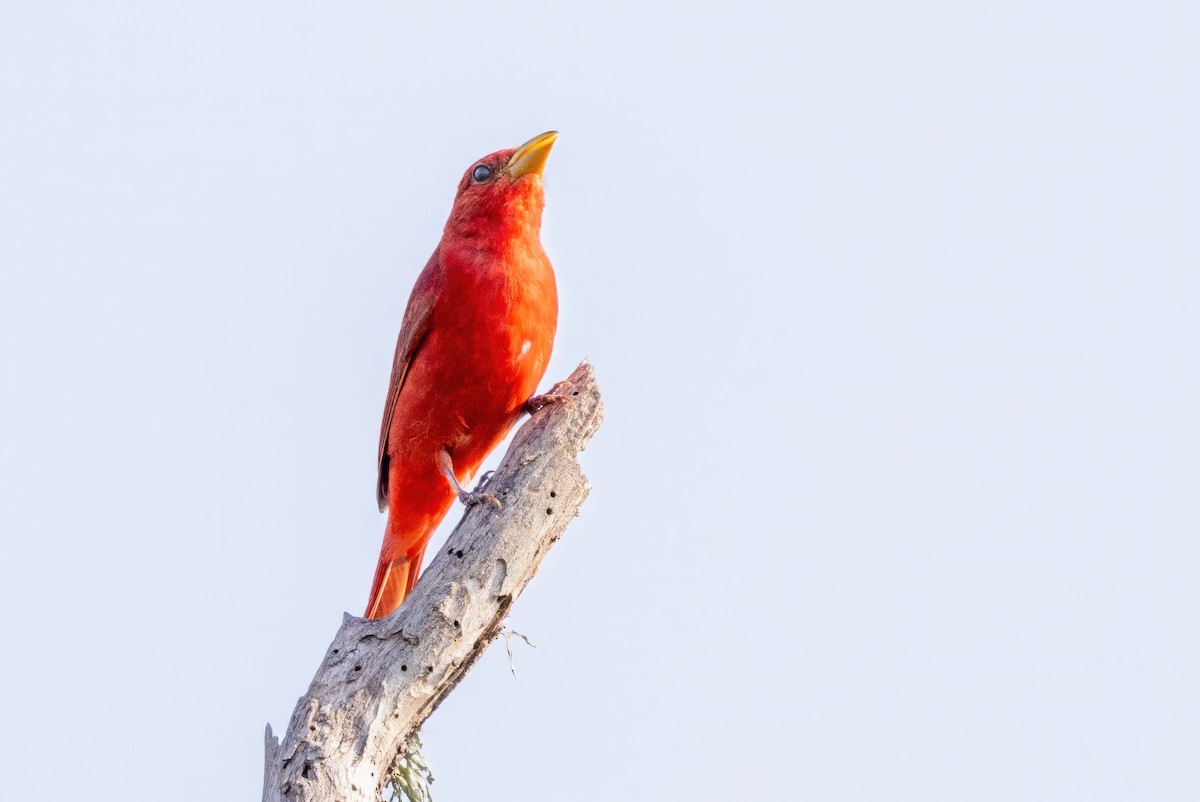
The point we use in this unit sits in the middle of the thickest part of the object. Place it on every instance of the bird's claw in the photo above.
(472, 498)
(559, 394)
(469, 498)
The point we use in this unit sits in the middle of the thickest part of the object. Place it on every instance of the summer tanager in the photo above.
(473, 346)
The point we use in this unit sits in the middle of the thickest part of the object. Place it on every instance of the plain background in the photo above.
(895, 311)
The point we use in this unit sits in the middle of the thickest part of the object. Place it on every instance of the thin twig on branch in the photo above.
(381, 679)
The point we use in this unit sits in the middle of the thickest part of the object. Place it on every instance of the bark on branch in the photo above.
(381, 679)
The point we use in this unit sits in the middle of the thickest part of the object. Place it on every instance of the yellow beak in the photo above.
(531, 157)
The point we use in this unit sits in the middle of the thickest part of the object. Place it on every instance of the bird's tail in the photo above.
(394, 579)
(416, 506)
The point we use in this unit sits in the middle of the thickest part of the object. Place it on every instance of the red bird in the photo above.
(473, 346)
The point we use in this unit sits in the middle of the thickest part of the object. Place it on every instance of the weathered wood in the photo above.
(381, 679)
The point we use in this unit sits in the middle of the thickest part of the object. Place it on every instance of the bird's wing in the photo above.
(413, 330)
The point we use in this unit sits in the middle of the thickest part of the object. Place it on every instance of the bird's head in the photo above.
(500, 196)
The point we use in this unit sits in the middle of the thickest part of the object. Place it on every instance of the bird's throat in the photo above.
(500, 222)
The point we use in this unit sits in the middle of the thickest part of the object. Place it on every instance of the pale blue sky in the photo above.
(894, 307)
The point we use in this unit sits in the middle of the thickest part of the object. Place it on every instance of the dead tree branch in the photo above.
(381, 679)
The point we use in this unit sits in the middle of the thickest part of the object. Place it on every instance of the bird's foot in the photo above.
(470, 498)
(477, 496)
(559, 394)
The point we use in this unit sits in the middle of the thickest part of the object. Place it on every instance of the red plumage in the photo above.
(473, 346)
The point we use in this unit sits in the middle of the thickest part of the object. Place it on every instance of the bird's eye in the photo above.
(482, 173)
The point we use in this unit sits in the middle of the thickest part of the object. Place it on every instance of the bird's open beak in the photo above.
(531, 157)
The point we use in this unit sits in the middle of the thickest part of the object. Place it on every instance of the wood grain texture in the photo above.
(381, 679)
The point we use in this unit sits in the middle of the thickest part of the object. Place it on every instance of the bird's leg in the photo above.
(468, 497)
(559, 394)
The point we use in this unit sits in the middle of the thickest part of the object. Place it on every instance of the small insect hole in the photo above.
(458, 554)
(358, 668)
(549, 511)
(553, 494)
(404, 668)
